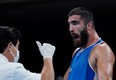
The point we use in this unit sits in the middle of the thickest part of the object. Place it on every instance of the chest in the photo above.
(84, 58)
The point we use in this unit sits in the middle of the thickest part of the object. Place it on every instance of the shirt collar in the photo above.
(3, 59)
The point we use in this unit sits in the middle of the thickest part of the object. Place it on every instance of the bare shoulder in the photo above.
(102, 54)
(104, 51)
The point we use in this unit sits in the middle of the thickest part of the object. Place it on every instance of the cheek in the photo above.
(78, 29)
(17, 46)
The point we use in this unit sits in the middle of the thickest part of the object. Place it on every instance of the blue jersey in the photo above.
(80, 68)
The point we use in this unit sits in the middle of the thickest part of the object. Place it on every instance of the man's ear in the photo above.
(89, 26)
(10, 45)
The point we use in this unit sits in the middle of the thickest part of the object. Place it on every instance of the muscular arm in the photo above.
(66, 74)
(105, 62)
(48, 70)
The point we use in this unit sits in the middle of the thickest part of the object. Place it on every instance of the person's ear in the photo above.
(89, 26)
(10, 45)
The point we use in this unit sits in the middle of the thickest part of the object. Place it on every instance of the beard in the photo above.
(82, 39)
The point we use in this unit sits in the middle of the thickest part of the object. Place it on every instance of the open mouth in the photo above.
(74, 35)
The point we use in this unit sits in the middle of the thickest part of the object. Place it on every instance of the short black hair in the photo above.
(8, 34)
(85, 13)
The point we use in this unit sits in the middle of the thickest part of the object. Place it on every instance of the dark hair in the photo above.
(8, 34)
(85, 14)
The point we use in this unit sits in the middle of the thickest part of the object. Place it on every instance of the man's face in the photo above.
(78, 30)
(17, 45)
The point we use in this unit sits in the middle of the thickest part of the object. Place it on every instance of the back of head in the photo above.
(8, 34)
(85, 13)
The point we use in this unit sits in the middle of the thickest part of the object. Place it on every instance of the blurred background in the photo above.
(46, 21)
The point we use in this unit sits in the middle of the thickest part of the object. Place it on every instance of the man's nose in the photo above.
(71, 28)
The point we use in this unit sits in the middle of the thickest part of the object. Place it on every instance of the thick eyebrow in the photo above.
(74, 22)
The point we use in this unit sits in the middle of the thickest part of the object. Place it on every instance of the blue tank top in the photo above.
(80, 69)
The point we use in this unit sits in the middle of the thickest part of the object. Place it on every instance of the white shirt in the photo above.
(15, 71)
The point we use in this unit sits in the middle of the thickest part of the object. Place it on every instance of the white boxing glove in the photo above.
(47, 50)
